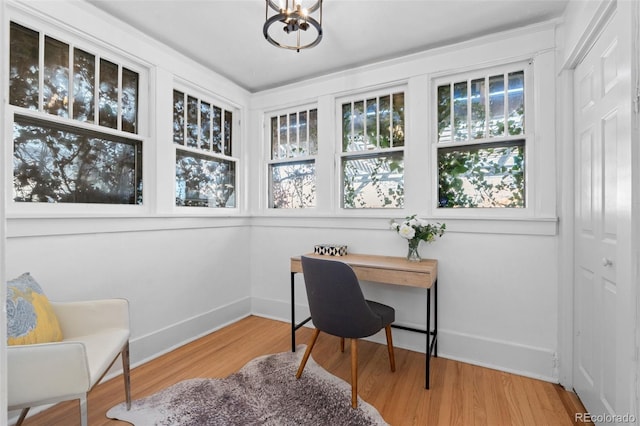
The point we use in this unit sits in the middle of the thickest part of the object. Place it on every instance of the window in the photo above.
(63, 151)
(292, 169)
(205, 169)
(481, 141)
(372, 158)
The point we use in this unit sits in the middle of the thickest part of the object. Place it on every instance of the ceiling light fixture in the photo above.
(300, 30)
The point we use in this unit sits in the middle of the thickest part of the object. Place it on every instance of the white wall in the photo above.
(180, 283)
(498, 271)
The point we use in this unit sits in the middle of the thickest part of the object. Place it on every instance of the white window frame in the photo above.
(101, 51)
(340, 155)
(203, 95)
(308, 158)
(530, 210)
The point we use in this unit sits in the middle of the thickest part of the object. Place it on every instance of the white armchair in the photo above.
(94, 334)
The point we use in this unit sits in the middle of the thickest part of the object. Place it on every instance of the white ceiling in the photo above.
(226, 35)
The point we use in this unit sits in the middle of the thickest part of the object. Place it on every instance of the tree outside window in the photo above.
(292, 171)
(372, 159)
(56, 160)
(205, 169)
(481, 141)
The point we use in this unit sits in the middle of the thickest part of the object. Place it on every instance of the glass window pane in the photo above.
(23, 67)
(496, 105)
(347, 125)
(293, 185)
(302, 133)
(460, 116)
(228, 129)
(129, 101)
(293, 135)
(516, 103)
(444, 113)
(274, 138)
(373, 182)
(202, 181)
(398, 119)
(84, 81)
(284, 136)
(205, 126)
(108, 98)
(313, 132)
(178, 117)
(55, 90)
(192, 122)
(371, 123)
(59, 164)
(357, 142)
(478, 102)
(482, 176)
(217, 130)
(384, 121)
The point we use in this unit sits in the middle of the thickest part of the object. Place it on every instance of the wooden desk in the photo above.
(388, 270)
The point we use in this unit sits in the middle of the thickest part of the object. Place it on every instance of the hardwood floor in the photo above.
(460, 394)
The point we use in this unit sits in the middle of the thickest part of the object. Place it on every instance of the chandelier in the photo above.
(300, 30)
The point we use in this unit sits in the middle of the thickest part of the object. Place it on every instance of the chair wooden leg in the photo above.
(342, 344)
(23, 415)
(354, 373)
(314, 337)
(392, 358)
(126, 374)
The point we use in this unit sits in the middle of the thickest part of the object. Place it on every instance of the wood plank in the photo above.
(460, 393)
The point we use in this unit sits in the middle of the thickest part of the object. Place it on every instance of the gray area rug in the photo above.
(264, 392)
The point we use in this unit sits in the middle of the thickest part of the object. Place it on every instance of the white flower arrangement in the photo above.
(416, 230)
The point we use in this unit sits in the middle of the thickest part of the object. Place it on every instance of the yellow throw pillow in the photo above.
(30, 317)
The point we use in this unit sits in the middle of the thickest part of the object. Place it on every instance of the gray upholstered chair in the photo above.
(339, 308)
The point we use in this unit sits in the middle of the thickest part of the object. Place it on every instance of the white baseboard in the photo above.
(529, 361)
(524, 360)
(150, 346)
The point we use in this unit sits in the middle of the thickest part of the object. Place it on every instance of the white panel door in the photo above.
(600, 134)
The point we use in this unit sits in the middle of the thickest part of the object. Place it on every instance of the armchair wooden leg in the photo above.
(314, 337)
(392, 358)
(354, 373)
(126, 373)
(342, 344)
